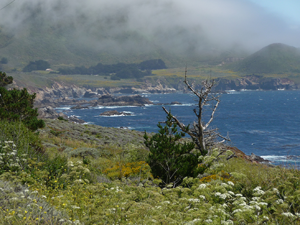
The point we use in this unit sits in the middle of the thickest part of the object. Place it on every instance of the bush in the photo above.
(170, 160)
(36, 65)
(4, 80)
(17, 105)
(17, 144)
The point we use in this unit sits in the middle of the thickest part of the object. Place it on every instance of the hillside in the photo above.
(89, 174)
(272, 59)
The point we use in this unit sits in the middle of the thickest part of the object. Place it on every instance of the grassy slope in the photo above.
(274, 58)
(231, 192)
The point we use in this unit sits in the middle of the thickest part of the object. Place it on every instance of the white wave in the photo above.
(126, 128)
(113, 107)
(63, 108)
(184, 104)
(278, 158)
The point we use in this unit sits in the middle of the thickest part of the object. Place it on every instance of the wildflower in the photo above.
(202, 186)
(239, 195)
(75, 207)
(194, 200)
(288, 214)
(231, 193)
(228, 222)
(276, 190)
(44, 196)
(202, 196)
(258, 190)
(230, 183)
(208, 221)
(266, 218)
(257, 207)
(166, 202)
(224, 185)
(237, 210)
(279, 201)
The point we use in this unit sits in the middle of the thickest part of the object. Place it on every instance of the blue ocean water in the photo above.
(265, 123)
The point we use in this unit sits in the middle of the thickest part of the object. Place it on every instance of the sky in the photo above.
(287, 9)
(177, 25)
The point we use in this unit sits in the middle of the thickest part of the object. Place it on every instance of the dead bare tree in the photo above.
(201, 134)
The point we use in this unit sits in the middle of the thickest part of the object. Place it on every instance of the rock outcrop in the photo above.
(114, 113)
(49, 113)
(255, 82)
(132, 100)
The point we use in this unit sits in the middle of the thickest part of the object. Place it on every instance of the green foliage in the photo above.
(36, 65)
(17, 105)
(61, 118)
(4, 80)
(169, 159)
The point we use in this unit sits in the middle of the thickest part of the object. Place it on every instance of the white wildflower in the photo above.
(228, 222)
(208, 221)
(279, 201)
(202, 196)
(239, 195)
(43, 196)
(266, 218)
(34, 192)
(256, 198)
(276, 190)
(166, 202)
(257, 207)
(194, 200)
(236, 211)
(231, 193)
(202, 186)
(263, 203)
(288, 214)
(75, 207)
(224, 185)
(77, 222)
(243, 204)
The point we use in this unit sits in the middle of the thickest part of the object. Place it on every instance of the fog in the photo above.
(140, 25)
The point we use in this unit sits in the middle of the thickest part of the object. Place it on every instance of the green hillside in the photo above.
(274, 58)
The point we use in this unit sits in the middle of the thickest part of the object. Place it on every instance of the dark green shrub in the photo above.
(4, 80)
(17, 105)
(169, 159)
(36, 65)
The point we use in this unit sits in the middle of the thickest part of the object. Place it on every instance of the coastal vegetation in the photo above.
(79, 178)
(67, 173)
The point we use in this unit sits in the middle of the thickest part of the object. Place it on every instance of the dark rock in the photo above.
(75, 119)
(176, 103)
(90, 94)
(114, 113)
(258, 159)
(79, 107)
(134, 100)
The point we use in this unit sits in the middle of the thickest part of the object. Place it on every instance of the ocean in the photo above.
(265, 123)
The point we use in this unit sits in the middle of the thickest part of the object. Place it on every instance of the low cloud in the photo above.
(141, 25)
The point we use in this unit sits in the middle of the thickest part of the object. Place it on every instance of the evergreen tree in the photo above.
(4, 80)
(169, 159)
(17, 105)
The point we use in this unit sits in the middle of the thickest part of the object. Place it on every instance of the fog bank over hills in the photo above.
(136, 28)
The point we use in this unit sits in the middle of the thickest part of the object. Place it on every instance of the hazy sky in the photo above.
(167, 24)
(287, 9)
